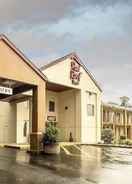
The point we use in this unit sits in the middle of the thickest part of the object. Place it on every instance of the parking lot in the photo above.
(80, 164)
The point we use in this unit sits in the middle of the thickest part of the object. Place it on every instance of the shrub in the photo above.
(50, 135)
(107, 135)
(122, 139)
(127, 142)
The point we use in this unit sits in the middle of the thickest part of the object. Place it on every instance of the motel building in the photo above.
(63, 91)
(118, 118)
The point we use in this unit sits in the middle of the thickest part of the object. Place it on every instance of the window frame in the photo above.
(51, 107)
(91, 112)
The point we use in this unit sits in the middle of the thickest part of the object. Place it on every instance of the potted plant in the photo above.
(49, 140)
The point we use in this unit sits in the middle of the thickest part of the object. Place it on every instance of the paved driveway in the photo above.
(79, 165)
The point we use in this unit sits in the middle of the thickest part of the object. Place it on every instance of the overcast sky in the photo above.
(99, 31)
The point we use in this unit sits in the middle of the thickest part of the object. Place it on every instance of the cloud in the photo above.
(98, 30)
(47, 11)
(34, 12)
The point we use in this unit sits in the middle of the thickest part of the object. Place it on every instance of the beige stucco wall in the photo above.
(87, 85)
(60, 73)
(13, 67)
(7, 122)
(52, 96)
(16, 67)
(66, 121)
(69, 99)
(76, 119)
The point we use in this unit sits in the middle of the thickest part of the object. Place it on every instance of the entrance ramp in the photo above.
(76, 149)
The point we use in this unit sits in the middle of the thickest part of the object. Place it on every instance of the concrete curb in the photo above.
(109, 145)
(14, 146)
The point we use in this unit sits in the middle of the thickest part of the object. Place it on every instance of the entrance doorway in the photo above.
(15, 112)
(22, 123)
(128, 133)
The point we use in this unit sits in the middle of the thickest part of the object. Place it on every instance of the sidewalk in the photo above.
(16, 146)
(110, 145)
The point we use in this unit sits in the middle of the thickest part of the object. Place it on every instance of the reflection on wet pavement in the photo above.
(84, 164)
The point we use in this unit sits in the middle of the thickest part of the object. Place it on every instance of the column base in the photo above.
(35, 142)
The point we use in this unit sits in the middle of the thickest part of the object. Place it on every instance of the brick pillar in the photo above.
(38, 117)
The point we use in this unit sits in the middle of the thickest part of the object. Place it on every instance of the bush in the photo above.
(126, 141)
(50, 135)
(107, 135)
(122, 139)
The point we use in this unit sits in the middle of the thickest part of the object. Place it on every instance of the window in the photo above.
(118, 117)
(104, 116)
(90, 109)
(108, 116)
(51, 106)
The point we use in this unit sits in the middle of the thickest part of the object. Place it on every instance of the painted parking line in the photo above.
(82, 152)
(66, 150)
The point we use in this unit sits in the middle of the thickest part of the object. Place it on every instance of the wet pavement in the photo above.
(84, 164)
